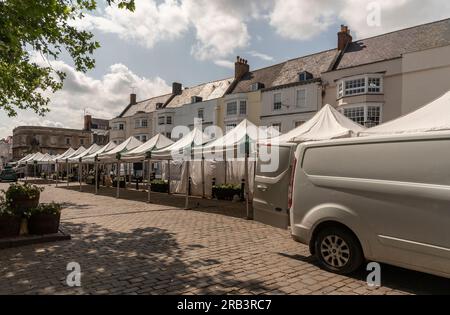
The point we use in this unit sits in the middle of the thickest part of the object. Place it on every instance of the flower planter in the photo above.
(121, 184)
(90, 180)
(225, 193)
(161, 187)
(9, 226)
(43, 223)
(22, 203)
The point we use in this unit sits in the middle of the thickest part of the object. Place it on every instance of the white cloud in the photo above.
(302, 19)
(305, 19)
(103, 98)
(147, 25)
(260, 55)
(224, 63)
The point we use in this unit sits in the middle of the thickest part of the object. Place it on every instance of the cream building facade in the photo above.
(381, 78)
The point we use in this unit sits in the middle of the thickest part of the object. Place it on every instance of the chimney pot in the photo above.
(241, 67)
(132, 98)
(177, 88)
(344, 37)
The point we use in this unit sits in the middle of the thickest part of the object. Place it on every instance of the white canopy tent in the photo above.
(64, 155)
(75, 158)
(326, 124)
(90, 158)
(114, 156)
(231, 159)
(111, 155)
(434, 116)
(140, 153)
(179, 155)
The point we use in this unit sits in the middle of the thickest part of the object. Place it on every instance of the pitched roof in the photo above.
(206, 91)
(393, 45)
(314, 64)
(146, 106)
(287, 72)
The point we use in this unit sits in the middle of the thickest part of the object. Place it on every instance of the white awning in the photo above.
(91, 150)
(91, 157)
(182, 147)
(434, 116)
(327, 123)
(125, 146)
(156, 143)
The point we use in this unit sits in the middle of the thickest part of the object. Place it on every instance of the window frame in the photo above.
(365, 107)
(276, 106)
(305, 98)
(342, 89)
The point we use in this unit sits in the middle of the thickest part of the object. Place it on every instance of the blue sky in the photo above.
(195, 41)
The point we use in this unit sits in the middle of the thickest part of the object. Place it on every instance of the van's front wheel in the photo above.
(338, 250)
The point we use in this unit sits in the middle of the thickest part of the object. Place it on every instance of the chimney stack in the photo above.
(177, 88)
(241, 67)
(87, 122)
(132, 98)
(344, 37)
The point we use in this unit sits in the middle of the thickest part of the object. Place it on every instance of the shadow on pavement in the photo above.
(395, 277)
(141, 261)
(236, 210)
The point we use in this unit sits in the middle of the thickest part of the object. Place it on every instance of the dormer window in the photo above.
(256, 86)
(196, 99)
(305, 76)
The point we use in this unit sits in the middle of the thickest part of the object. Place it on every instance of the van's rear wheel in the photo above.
(338, 250)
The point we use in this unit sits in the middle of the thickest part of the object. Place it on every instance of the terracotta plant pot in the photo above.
(9, 226)
(39, 224)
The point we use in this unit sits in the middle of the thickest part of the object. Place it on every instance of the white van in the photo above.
(270, 200)
(383, 199)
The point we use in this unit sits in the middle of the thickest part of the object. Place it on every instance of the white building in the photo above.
(199, 102)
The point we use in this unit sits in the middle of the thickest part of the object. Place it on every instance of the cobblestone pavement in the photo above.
(126, 246)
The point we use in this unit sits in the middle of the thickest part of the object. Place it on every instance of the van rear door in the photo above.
(270, 201)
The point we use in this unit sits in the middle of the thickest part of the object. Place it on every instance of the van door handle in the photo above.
(261, 187)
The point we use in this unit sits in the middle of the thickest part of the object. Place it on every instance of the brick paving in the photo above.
(126, 246)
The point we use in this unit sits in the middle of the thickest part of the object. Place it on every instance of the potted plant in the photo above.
(22, 197)
(226, 191)
(44, 219)
(90, 180)
(121, 182)
(161, 186)
(9, 220)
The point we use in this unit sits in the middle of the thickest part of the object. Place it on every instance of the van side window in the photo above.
(272, 162)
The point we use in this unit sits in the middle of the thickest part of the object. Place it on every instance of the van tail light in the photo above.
(291, 183)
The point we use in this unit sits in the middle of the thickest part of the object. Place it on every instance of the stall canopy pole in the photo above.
(247, 182)
(118, 179)
(186, 202)
(168, 175)
(203, 177)
(26, 172)
(149, 180)
(80, 171)
(57, 173)
(225, 164)
(67, 170)
(96, 176)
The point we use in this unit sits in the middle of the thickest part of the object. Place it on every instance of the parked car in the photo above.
(270, 200)
(383, 199)
(8, 174)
